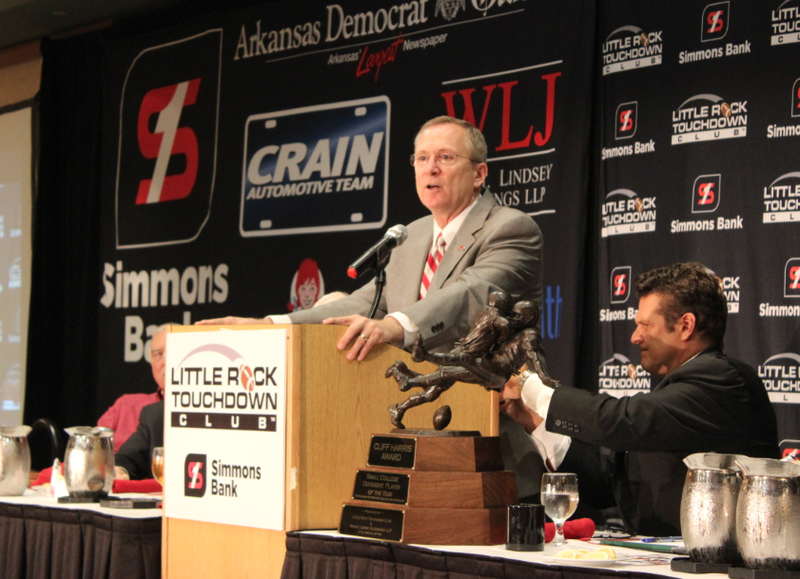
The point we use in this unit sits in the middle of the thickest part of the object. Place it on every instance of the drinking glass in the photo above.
(560, 499)
(157, 464)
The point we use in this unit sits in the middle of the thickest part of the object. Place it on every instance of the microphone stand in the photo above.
(380, 282)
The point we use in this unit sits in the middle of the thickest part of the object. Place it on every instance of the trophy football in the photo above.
(442, 487)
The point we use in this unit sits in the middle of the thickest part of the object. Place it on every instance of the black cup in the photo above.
(525, 528)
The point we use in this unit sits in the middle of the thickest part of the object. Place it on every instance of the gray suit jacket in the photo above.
(495, 248)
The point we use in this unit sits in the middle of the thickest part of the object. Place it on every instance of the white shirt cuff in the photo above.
(410, 329)
(552, 446)
(280, 319)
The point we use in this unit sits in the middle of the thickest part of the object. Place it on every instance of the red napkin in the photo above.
(44, 476)
(149, 485)
(577, 529)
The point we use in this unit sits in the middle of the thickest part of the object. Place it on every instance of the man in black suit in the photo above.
(705, 402)
(132, 460)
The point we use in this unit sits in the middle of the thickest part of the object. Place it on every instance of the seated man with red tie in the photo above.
(439, 279)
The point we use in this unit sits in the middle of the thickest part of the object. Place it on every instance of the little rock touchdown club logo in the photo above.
(624, 212)
(708, 117)
(630, 47)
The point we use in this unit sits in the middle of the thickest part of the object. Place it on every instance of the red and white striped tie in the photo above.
(430, 266)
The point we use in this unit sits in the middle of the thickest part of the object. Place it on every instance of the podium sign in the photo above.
(225, 427)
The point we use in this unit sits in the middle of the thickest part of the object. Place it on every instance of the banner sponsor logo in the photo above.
(790, 449)
(705, 194)
(785, 24)
(630, 47)
(626, 121)
(791, 289)
(522, 134)
(315, 169)
(732, 290)
(194, 475)
(708, 117)
(552, 312)
(781, 376)
(620, 284)
(782, 199)
(715, 21)
(777, 131)
(168, 142)
(619, 377)
(625, 212)
(158, 288)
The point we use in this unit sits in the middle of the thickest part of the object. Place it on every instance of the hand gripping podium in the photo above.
(233, 397)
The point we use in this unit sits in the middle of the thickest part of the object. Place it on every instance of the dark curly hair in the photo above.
(688, 288)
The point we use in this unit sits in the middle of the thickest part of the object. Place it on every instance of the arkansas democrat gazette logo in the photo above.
(320, 168)
(168, 142)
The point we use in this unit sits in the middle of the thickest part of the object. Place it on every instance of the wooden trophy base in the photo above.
(431, 488)
(424, 526)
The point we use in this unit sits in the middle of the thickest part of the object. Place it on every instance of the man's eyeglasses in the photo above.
(442, 159)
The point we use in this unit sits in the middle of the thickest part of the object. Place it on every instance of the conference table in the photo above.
(329, 555)
(41, 539)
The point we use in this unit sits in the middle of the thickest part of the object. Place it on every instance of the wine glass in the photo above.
(560, 499)
(157, 464)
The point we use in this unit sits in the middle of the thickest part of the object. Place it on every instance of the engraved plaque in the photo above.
(372, 523)
(392, 451)
(385, 487)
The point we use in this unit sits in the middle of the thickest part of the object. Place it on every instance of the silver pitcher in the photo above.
(768, 514)
(89, 461)
(708, 508)
(15, 460)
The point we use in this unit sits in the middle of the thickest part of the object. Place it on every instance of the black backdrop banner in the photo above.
(699, 133)
(245, 146)
(249, 156)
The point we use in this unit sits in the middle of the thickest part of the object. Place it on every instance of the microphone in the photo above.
(377, 255)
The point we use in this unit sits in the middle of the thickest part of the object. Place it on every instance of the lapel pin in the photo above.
(462, 248)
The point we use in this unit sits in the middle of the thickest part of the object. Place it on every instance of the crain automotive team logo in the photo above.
(715, 21)
(620, 284)
(320, 168)
(782, 199)
(625, 212)
(627, 114)
(167, 142)
(706, 193)
(194, 475)
(708, 117)
(630, 47)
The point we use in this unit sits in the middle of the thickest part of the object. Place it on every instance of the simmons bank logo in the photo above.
(715, 21)
(790, 449)
(168, 142)
(791, 289)
(782, 199)
(314, 169)
(785, 23)
(621, 281)
(781, 376)
(194, 475)
(624, 211)
(626, 121)
(619, 377)
(708, 117)
(777, 131)
(629, 48)
(706, 194)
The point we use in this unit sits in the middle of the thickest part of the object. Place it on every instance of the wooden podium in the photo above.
(333, 408)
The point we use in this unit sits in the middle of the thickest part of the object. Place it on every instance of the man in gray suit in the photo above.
(486, 248)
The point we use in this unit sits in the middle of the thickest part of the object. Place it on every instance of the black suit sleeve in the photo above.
(134, 455)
